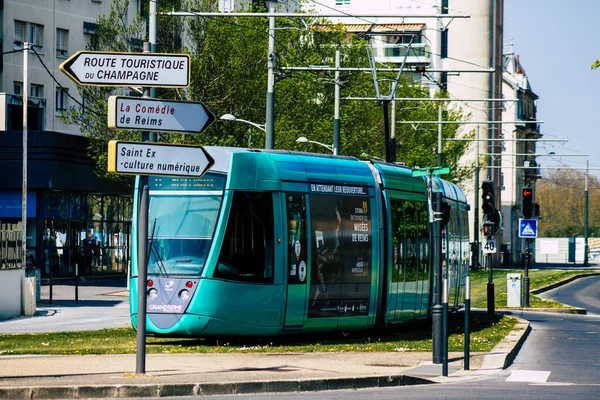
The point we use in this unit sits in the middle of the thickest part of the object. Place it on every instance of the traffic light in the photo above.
(487, 196)
(527, 203)
(493, 219)
(488, 229)
(420, 68)
(527, 258)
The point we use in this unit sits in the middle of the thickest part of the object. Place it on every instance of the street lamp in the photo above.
(231, 117)
(329, 147)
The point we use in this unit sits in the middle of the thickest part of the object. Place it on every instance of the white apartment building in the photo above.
(57, 29)
(520, 168)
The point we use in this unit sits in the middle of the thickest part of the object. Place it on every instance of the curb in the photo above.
(505, 352)
(574, 310)
(206, 389)
(563, 282)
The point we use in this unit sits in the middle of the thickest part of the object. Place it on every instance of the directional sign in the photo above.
(128, 69)
(158, 115)
(527, 228)
(157, 159)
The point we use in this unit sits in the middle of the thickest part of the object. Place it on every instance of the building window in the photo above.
(20, 27)
(36, 35)
(18, 88)
(62, 43)
(28, 32)
(36, 90)
(342, 2)
(62, 94)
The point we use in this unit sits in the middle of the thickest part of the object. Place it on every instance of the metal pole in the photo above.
(467, 356)
(336, 111)
(436, 314)
(140, 365)
(389, 157)
(475, 250)
(393, 143)
(490, 285)
(526, 278)
(24, 186)
(586, 215)
(270, 117)
(439, 155)
(445, 330)
(152, 37)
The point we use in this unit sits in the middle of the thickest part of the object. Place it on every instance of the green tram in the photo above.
(274, 242)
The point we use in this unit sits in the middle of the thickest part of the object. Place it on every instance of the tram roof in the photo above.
(293, 165)
(448, 189)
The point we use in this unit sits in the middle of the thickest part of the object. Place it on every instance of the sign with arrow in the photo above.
(128, 69)
(146, 158)
(527, 228)
(158, 115)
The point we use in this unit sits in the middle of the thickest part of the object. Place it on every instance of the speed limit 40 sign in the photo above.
(489, 246)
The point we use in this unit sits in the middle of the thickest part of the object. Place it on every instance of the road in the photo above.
(100, 305)
(559, 360)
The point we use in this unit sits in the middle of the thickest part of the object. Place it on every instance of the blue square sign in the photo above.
(527, 228)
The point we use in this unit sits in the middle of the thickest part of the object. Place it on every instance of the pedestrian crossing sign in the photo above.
(527, 228)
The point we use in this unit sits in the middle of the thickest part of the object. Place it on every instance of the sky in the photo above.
(557, 41)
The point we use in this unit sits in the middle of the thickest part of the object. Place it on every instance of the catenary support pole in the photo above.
(270, 116)
(24, 172)
(437, 306)
(475, 250)
(439, 155)
(336, 112)
(389, 155)
(586, 215)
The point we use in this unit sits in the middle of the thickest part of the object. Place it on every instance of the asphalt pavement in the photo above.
(106, 305)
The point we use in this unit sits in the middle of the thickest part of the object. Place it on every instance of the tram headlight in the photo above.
(152, 294)
(184, 295)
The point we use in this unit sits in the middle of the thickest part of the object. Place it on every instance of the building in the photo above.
(520, 167)
(66, 201)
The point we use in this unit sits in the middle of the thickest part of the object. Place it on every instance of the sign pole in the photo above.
(142, 255)
(526, 278)
(490, 284)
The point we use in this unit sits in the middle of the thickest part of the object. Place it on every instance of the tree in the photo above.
(561, 200)
(229, 75)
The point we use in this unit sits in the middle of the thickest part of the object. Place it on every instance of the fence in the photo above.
(11, 245)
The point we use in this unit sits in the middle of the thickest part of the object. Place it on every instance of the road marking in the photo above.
(528, 376)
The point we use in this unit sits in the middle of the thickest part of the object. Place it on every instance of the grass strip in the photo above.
(486, 332)
(537, 279)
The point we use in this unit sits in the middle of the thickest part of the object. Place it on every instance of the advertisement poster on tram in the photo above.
(341, 253)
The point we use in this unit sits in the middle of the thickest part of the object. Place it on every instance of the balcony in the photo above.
(395, 53)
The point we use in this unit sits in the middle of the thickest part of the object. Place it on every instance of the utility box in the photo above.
(513, 290)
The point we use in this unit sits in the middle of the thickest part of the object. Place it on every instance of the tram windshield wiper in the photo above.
(154, 250)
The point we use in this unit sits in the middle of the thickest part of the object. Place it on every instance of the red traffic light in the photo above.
(527, 192)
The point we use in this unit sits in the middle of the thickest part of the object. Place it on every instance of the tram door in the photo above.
(297, 259)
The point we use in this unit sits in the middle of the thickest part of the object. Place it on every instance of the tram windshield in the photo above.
(181, 225)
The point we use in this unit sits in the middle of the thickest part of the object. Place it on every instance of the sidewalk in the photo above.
(113, 376)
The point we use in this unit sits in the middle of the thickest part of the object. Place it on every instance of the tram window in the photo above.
(247, 251)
